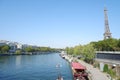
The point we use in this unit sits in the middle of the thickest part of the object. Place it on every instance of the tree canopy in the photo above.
(4, 49)
(107, 45)
(40, 49)
(86, 51)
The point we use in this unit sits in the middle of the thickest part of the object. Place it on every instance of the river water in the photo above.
(34, 67)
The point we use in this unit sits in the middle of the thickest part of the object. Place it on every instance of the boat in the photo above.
(79, 71)
(62, 54)
(59, 73)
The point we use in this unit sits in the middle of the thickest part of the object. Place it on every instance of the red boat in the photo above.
(79, 71)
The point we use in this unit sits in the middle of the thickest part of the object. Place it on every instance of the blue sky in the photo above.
(57, 23)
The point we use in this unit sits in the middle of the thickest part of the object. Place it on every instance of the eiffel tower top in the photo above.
(107, 33)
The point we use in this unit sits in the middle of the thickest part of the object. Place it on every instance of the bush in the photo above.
(118, 79)
(18, 52)
(105, 68)
(112, 73)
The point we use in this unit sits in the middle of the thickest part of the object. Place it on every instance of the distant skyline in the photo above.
(57, 23)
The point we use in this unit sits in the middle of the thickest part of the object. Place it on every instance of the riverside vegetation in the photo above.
(5, 49)
(87, 52)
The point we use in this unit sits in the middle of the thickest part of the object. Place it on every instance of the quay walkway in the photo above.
(96, 74)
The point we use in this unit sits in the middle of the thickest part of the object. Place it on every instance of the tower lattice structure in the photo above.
(107, 33)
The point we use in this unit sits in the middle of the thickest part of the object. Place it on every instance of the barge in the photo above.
(79, 71)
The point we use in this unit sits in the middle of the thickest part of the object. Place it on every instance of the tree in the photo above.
(69, 50)
(29, 49)
(107, 45)
(86, 51)
(44, 49)
(78, 50)
(18, 52)
(5, 48)
(89, 53)
(118, 44)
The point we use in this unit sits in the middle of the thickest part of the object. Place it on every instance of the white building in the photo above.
(3, 42)
(13, 47)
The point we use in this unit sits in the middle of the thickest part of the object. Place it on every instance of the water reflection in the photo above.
(18, 61)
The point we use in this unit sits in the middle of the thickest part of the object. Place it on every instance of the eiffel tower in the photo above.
(107, 33)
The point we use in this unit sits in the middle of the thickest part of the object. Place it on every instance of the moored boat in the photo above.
(62, 55)
(79, 71)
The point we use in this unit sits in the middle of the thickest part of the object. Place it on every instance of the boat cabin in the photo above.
(79, 71)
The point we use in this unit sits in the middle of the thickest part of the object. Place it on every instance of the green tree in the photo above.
(40, 49)
(78, 50)
(107, 45)
(69, 50)
(44, 49)
(5, 48)
(29, 49)
(89, 53)
(118, 45)
(18, 52)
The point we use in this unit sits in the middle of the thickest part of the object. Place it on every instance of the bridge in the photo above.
(112, 58)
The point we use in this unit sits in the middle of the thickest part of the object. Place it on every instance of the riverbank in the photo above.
(96, 74)
(93, 73)
(24, 53)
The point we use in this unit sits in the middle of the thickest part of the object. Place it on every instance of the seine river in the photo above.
(34, 67)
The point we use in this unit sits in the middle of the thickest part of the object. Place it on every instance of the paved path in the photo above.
(96, 73)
